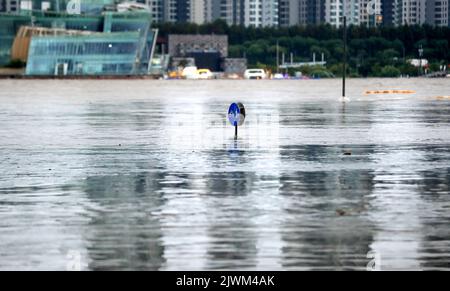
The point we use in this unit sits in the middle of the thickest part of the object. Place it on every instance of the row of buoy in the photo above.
(373, 92)
(443, 97)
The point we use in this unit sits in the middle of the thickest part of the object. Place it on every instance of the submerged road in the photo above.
(146, 175)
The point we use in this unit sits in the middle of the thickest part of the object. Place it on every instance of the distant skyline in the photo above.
(266, 13)
(262, 13)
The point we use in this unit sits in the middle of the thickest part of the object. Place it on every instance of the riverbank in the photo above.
(10, 73)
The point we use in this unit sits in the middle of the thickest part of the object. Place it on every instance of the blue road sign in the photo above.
(234, 115)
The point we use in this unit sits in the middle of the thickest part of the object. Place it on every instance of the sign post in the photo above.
(236, 116)
(344, 63)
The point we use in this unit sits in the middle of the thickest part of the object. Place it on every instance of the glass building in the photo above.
(95, 54)
(120, 43)
(86, 6)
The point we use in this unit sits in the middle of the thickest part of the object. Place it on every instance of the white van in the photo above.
(190, 73)
(255, 74)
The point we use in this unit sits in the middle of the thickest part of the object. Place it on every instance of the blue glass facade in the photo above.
(96, 54)
(120, 43)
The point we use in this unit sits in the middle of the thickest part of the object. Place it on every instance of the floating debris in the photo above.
(341, 212)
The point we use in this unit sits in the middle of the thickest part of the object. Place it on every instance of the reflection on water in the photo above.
(147, 176)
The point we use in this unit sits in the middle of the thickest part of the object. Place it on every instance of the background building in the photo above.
(9, 6)
(261, 13)
(193, 11)
(413, 12)
(231, 11)
(205, 52)
(289, 12)
(437, 12)
(389, 12)
(370, 12)
(108, 44)
(335, 10)
(265, 13)
(313, 12)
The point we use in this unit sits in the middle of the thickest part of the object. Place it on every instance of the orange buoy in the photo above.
(375, 92)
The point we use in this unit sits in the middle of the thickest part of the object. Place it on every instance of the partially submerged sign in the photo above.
(236, 115)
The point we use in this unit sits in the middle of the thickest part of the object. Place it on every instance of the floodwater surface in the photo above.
(147, 175)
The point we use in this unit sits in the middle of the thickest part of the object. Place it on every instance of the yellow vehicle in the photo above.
(204, 74)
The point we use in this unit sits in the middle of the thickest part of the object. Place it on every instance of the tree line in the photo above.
(376, 51)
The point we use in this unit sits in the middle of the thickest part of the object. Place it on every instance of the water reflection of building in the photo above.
(325, 223)
(231, 232)
(434, 189)
(318, 237)
(397, 204)
(123, 233)
(122, 186)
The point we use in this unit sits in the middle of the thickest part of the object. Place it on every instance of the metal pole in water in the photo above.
(344, 72)
(278, 57)
(235, 132)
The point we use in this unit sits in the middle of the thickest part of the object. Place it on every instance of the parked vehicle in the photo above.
(279, 76)
(204, 74)
(255, 74)
(190, 73)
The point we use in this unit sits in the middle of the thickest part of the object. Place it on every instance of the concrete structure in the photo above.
(207, 51)
(235, 66)
(182, 45)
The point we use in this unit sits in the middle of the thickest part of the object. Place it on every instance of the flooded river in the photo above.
(146, 175)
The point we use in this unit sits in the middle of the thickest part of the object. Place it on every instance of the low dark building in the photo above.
(208, 51)
(182, 45)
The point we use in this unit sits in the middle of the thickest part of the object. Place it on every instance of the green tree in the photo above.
(390, 72)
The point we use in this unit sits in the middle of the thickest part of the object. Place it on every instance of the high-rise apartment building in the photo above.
(370, 12)
(231, 11)
(437, 12)
(294, 12)
(9, 6)
(177, 10)
(412, 12)
(156, 8)
(289, 12)
(389, 12)
(335, 10)
(261, 13)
